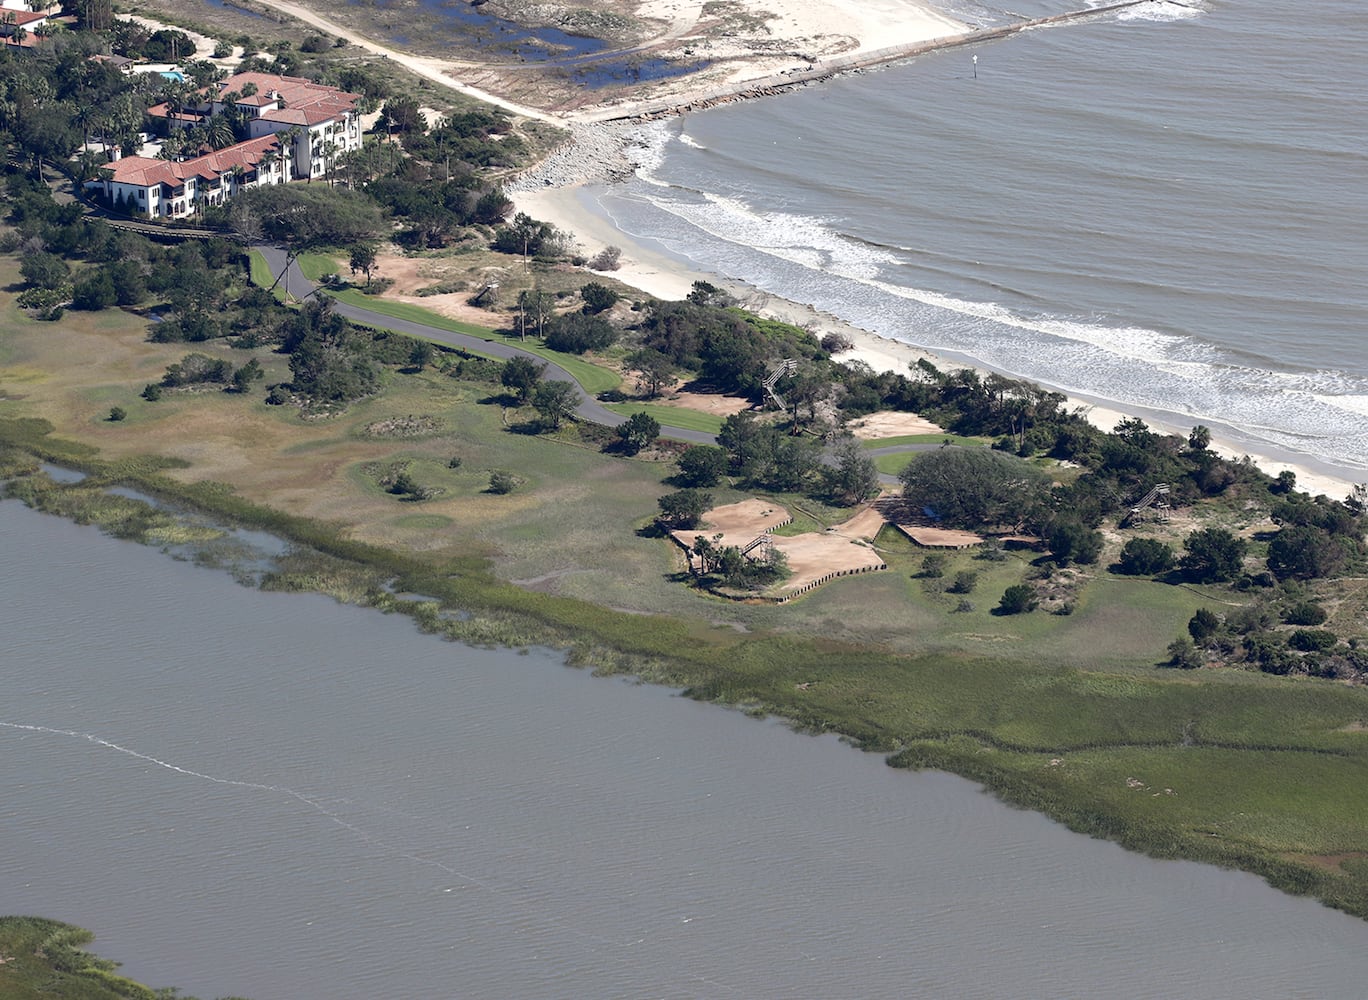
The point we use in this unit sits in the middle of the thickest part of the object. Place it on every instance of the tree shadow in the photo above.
(505, 399)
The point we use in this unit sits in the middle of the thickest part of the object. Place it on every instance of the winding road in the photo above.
(589, 408)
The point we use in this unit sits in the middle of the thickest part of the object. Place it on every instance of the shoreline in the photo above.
(563, 189)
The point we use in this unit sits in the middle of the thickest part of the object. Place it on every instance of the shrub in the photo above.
(607, 259)
(1017, 599)
(1183, 654)
(1203, 625)
(1145, 557)
(1304, 613)
(1312, 640)
(576, 333)
(836, 343)
(703, 465)
(965, 581)
(278, 396)
(196, 368)
(117, 413)
(597, 297)
(992, 551)
(933, 566)
(502, 482)
(152, 392)
(405, 485)
(94, 292)
(41, 299)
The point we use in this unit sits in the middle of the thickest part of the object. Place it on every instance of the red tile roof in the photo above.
(315, 102)
(23, 18)
(164, 111)
(301, 116)
(144, 171)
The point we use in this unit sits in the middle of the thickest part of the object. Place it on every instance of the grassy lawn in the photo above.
(671, 416)
(261, 273)
(317, 265)
(892, 465)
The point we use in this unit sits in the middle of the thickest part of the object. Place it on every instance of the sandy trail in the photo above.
(746, 40)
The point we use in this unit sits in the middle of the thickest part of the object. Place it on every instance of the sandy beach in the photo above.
(574, 209)
(732, 43)
(745, 40)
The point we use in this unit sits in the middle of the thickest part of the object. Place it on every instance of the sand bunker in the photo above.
(891, 424)
(813, 557)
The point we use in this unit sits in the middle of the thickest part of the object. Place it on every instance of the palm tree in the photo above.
(329, 150)
(221, 134)
(290, 140)
(268, 160)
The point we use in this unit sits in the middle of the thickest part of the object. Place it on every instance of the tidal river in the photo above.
(281, 797)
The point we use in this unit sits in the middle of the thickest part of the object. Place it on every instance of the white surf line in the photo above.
(315, 804)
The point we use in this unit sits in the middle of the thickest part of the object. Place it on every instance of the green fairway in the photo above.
(317, 265)
(902, 439)
(261, 273)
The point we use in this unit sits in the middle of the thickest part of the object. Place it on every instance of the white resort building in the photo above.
(298, 129)
(170, 189)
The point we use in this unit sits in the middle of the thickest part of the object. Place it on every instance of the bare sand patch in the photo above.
(813, 557)
(739, 524)
(708, 402)
(410, 274)
(865, 525)
(453, 306)
(891, 424)
(816, 557)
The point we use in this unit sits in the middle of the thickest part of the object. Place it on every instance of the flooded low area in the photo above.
(276, 796)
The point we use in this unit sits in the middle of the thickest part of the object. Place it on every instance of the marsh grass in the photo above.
(894, 668)
(48, 958)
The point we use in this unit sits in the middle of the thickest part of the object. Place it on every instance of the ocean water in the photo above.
(1164, 208)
